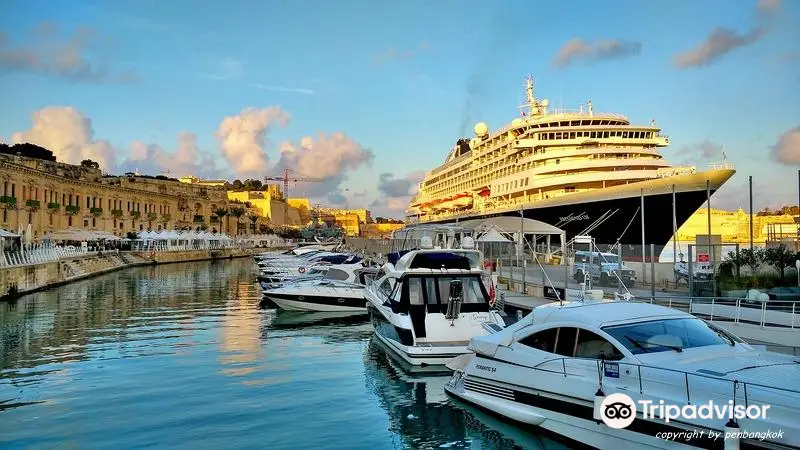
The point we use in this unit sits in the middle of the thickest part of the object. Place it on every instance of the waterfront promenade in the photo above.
(36, 266)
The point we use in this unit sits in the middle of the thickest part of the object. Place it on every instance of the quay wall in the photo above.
(19, 280)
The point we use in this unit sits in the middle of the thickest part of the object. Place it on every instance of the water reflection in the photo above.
(116, 316)
(151, 355)
(423, 416)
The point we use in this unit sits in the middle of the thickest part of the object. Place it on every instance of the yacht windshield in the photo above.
(666, 335)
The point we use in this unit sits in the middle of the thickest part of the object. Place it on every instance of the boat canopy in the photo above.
(511, 224)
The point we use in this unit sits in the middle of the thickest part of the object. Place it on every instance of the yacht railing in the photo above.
(726, 385)
(774, 313)
(321, 288)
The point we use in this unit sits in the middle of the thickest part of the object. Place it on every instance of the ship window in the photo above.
(430, 288)
(544, 340)
(572, 135)
(558, 161)
(565, 341)
(336, 274)
(591, 345)
(415, 292)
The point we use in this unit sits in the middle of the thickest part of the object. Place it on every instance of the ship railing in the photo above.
(656, 381)
(584, 112)
(769, 313)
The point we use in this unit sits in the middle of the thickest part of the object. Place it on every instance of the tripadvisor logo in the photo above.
(618, 411)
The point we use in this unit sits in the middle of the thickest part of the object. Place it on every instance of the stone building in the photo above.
(52, 196)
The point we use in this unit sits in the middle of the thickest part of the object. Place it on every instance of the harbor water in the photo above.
(186, 356)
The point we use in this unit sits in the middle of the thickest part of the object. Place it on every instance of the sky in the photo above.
(367, 96)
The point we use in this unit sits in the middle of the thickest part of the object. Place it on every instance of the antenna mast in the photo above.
(534, 107)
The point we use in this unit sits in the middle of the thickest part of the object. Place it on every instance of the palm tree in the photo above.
(237, 212)
(254, 220)
(221, 213)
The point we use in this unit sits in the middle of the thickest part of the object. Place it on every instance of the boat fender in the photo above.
(598, 406)
(731, 435)
(301, 270)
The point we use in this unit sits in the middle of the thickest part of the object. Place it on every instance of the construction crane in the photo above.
(286, 178)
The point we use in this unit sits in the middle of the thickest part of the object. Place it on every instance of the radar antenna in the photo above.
(533, 106)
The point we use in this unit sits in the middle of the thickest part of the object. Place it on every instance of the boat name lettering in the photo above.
(486, 368)
(573, 217)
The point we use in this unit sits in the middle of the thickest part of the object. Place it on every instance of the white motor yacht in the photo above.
(428, 305)
(598, 372)
(340, 290)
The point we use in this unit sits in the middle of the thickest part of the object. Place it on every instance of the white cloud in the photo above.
(69, 58)
(69, 135)
(187, 159)
(243, 139)
(577, 49)
(787, 149)
(395, 193)
(328, 157)
(293, 90)
(243, 144)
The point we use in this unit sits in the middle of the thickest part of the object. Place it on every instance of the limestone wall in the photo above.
(25, 279)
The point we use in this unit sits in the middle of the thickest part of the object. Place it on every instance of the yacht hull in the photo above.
(620, 205)
(318, 303)
(400, 340)
(564, 418)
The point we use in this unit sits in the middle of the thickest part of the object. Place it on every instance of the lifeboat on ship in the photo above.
(446, 204)
(462, 200)
(435, 205)
(484, 191)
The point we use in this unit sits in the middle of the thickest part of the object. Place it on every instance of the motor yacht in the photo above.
(286, 269)
(428, 305)
(341, 290)
(555, 368)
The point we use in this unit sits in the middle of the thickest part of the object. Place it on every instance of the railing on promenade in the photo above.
(39, 253)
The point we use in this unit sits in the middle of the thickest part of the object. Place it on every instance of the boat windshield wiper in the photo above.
(671, 347)
(637, 344)
(722, 334)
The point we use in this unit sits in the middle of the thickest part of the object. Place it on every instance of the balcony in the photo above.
(97, 212)
(73, 209)
(33, 204)
(199, 219)
(116, 213)
(8, 202)
(53, 207)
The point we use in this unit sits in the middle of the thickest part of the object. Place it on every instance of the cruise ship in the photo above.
(583, 171)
